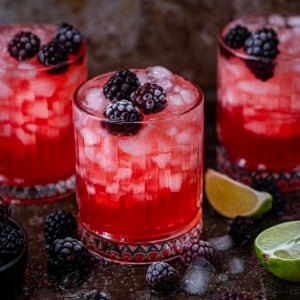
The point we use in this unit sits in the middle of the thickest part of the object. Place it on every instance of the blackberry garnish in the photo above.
(5, 211)
(241, 229)
(162, 278)
(11, 242)
(195, 248)
(236, 36)
(232, 296)
(94, 295)
(262, 69)
(121, 85)
(58, 225)
(267, 185)
(24, 45)
(69, 37)
(124, 118)
(67, 256)
(150, 98)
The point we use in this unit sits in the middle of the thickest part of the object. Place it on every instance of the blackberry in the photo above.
(195, 248)
(67, 256)
(240, 229)
(53, 54)
(94, 295)
(11, 242)
(124, 118)
(263, 43)
(236, 36)
(69, 37)
(162, 278)
(24, 45)
(268, 185)
(262, 69)
(233, 296)
(58, 225)
(150, 98)
(121, 85)
(5, 210)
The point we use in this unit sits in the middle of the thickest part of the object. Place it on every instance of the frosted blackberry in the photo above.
(236, 36)
(11, 243)
(94, 295)
(58, 225)
(195, 248)
(233, 296)
(69, 37)
(162, 278)
(24, 45)
(124, 118)
(5, 211)
(150, 98)
(121, 85)
(67, 256)
(267, 185)
(53, 54)
(241, 229)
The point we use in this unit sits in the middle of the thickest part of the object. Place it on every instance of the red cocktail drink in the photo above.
(36, 133)
(259, 99)
(139, 183)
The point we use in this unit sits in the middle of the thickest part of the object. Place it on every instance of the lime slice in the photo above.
(231, 198)
(278, 249)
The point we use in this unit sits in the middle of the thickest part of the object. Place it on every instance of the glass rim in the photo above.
(71, 60)
(76, 102)
(245, 56)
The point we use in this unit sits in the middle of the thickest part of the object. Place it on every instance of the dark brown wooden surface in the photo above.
(128, 282)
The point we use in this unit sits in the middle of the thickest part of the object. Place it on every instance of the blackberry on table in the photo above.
(69, 37)
(241, 229)
(5, 210)
(195, 248)
(150, 98)
(94, 295)
(233, 296)
(162, 278)
(121, 85)
(11, 242)
(58, 225)
(24, 45)
(236, 36)
(68, 256)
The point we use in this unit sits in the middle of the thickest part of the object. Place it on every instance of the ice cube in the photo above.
(175, 100)
(222, 243)
(184, 137)
(95, 99)
(175, 182)
(138, 187)
(89, 136)
(36, 109)
(259, 87)
(142, 76)
(89, 152)
(199, 278)
(171, 131)
(42, 87)
(6, 91)
(293, 21)
(235, 265)
(112, 188)
(24, 137)
(5, 130)
(25, 95)
(91, 189)
(158, 73)
(277, 20)
(4, 113)
(123, 173)
(188, 96)
(165, 84)
(132, 146)
(27, 71)
(162, 159)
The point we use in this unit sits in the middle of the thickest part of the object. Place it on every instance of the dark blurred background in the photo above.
(179, 34)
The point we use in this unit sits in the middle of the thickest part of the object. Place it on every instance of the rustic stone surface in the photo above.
(179, 34)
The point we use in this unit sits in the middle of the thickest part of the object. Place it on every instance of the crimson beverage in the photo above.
(40, 67)
(259, 99)
(139, 144)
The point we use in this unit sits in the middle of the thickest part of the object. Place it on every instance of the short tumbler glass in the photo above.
(140, 193)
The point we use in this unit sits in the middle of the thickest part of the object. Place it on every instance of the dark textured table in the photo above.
(128, 282)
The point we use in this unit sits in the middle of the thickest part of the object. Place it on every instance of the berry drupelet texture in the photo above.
(241, 230)
(52, 54)
(94, 295)
(58, 225)
(121, 85)
(69, 37)
(162, 278)
(5, 211)
(195, 248)
(236, 36)
(233, 296)
(24, 45)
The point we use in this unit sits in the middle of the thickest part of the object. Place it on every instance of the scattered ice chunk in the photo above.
(175, 182)
(222, 243)
(235, 265)
(158, 73)
(94, 99)
(42, 87)
(199, 278)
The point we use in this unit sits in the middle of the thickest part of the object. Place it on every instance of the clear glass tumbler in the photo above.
(139, 193)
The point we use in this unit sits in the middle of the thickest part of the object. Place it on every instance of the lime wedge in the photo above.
(278, 249)
(231, 198)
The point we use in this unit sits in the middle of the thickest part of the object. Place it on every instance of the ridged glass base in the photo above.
(137, 252)
(286, 180)
(38, 193)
